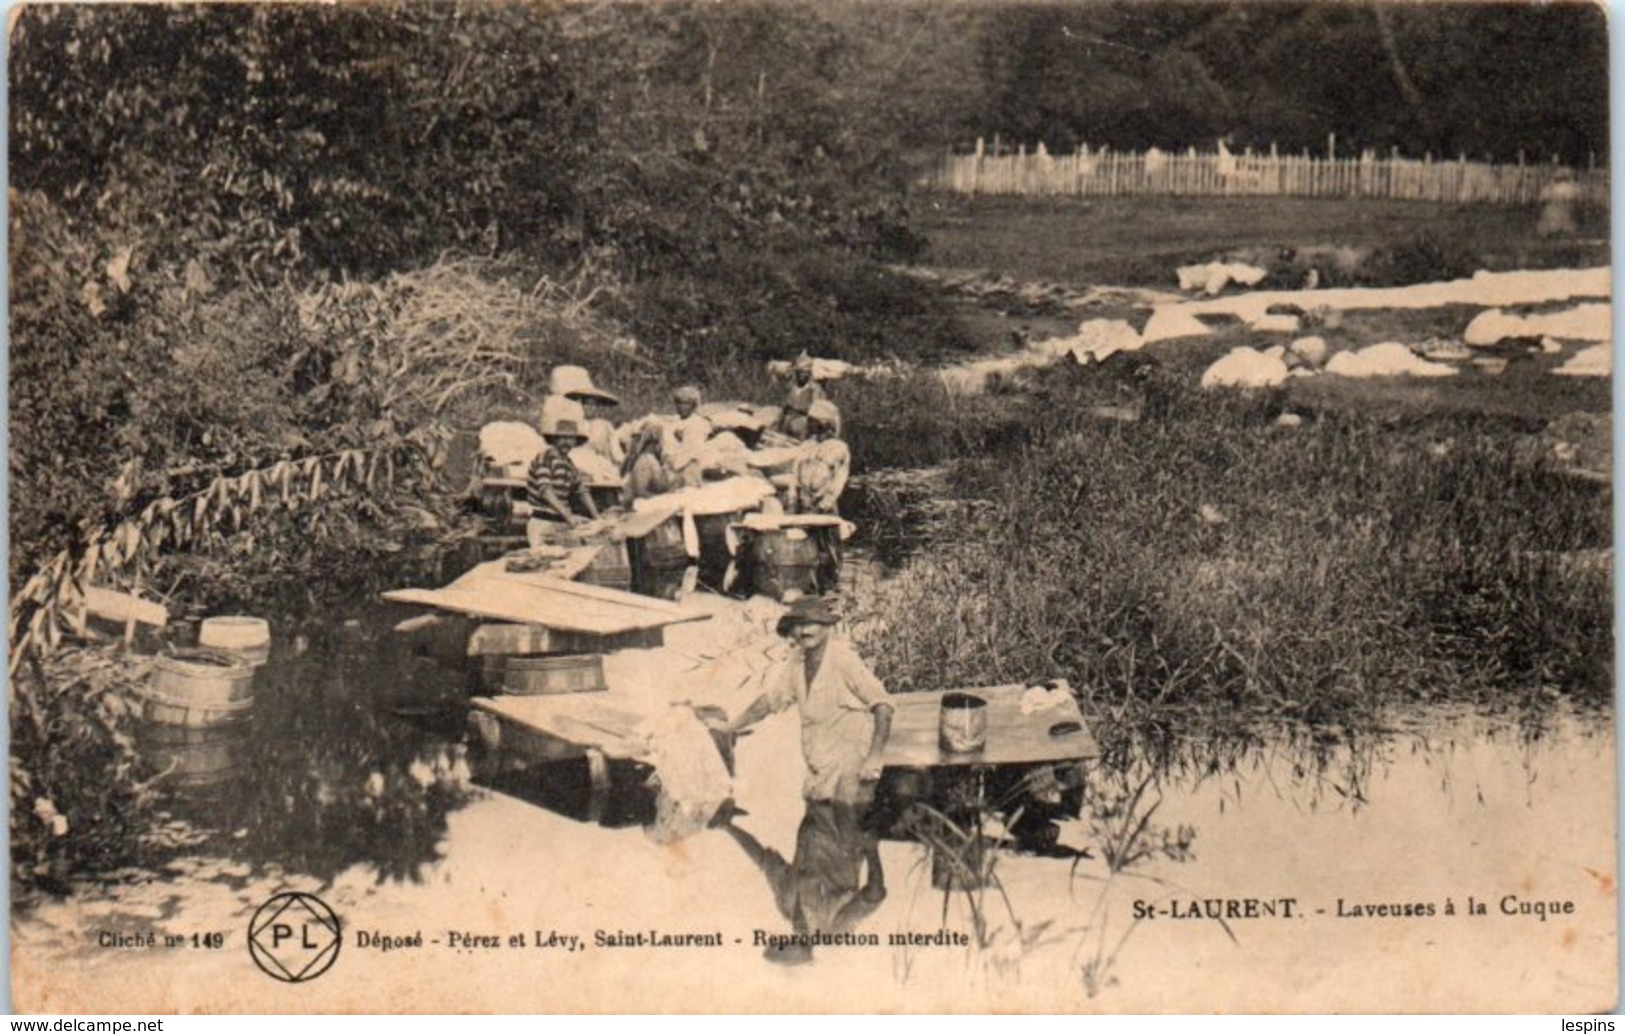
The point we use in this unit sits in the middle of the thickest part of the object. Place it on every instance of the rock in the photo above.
(1492, 366)
(1276, 352)
(1245, 368)
(1312, 350)
(1289, 420)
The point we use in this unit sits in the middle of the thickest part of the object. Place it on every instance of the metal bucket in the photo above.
(564, 673)
(962, 723)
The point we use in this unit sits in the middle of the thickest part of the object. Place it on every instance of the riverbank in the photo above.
(1448, 811)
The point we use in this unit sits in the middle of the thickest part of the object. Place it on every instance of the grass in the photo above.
(1206, 560)
(1139, 241)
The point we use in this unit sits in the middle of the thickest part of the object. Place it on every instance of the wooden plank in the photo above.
(529, 598)
(123, 607)
(493, 577)
(1012, 737)
(505, 640)
(584, 720)
(638, 525)
(538, 608)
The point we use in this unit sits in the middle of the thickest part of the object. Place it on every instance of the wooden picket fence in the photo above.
(1106, 173)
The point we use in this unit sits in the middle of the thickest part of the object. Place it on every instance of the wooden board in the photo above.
(506, 640)
(532, 598)
(1012, 737)
(584, 719)
(120, 606)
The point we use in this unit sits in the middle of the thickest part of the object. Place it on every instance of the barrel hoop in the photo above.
(205, 663)
(151, 696)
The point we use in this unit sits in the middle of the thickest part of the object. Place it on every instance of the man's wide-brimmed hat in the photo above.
(560, 429)
(576, 382)
(809, 610)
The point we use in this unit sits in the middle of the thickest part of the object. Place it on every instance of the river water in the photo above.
(1272, 880)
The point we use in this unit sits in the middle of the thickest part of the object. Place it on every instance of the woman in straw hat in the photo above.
(571, 395)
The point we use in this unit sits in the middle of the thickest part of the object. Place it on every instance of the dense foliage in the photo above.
(1206, 560)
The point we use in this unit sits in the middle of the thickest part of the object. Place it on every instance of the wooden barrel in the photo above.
(714, 557)
(561, 673)
(248, 638)
(611, 568)
(659, 561)
(783, 560)
(202, 688)
(190, 758)
(663, 547)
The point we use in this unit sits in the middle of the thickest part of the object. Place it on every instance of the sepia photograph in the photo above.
(772, 507)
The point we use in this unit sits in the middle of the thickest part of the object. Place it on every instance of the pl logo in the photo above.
(294, 937)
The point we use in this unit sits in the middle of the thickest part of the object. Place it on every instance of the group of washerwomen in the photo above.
(801, 451)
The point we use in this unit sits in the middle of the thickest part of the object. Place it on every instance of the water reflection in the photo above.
(625, 800)
(352, 755)
(834, 882)
(356, 755)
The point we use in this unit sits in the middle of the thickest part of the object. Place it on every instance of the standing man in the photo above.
(846, 713)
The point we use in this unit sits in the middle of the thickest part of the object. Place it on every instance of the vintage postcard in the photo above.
(811, 508)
